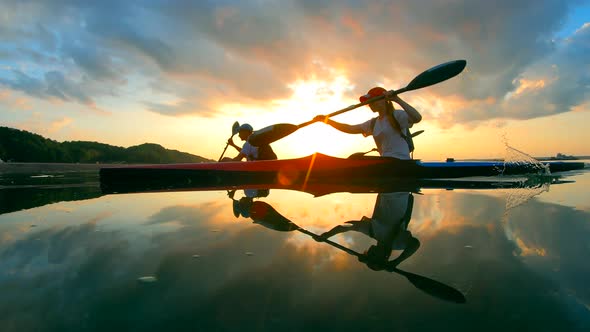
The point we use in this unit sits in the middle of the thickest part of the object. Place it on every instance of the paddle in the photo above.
(265, 215)
(234, 130)
(431, 76)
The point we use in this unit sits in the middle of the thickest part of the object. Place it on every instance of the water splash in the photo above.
(536, 182)
(530, 187)
(516, 157)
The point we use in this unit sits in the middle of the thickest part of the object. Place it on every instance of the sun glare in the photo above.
(311, 98)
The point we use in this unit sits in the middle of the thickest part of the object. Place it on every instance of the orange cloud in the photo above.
(15, 102)
(529, 85)
(58, 125)
(4, 94)
(22, 103)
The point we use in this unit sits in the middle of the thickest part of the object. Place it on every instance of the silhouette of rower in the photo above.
(388, 226)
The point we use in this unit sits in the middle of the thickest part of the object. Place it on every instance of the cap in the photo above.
(374, 92)
(246, 127)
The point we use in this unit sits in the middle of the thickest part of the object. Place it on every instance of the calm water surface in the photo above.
(72, 259)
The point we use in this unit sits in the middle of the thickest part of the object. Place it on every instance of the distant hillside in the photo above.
(23, 146)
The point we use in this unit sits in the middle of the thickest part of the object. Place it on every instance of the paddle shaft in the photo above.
(355, 106)
(221, 157)
(332, 243)
(234, 130)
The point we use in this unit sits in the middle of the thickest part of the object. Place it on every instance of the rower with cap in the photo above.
(390, 129)
(248, 151)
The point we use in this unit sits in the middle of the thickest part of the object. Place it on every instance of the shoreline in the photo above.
(12, 168)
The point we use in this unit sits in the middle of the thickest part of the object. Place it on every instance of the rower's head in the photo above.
(242, 207)
(245, 131)
(379, 105)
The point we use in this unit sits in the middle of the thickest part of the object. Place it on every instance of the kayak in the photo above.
(315, 169)
(325, 188)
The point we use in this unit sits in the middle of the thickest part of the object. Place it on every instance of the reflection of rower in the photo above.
(242, 206)
(264, 214)
(388, 226)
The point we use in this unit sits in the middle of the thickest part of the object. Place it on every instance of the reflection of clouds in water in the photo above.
(186, 215)
(450, 211)
(561, 234)
(79, 268)
(321, 212)
(571, 194)
(550, 239)
(528, 250)
(73, 276)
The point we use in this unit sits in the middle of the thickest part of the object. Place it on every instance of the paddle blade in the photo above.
(272, 133)
(417, 133)
(437, 74)
(264, 214)
(235, 128)
(433, 287)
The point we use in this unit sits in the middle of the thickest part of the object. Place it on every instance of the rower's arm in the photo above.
(343, 127)
(413, 114)
(411, 248)
(352, 225)
(231, 142)
(240, 156)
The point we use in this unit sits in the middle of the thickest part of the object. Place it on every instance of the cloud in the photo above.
(554, 84)
(12, 102)
(252, 51)
(53, 85)
(97, 64)
(58, 125)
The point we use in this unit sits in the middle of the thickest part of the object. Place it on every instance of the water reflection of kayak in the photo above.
(310, 170)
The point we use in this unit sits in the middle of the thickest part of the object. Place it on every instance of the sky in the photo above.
(180, 73)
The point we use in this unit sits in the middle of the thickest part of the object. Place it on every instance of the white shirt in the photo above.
(389, 141)
(250, 151)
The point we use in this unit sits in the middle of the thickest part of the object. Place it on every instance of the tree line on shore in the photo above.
(23, 146)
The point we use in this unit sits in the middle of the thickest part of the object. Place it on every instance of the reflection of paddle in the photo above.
(234, 130)
(432, 76)
(431, 287)
(264, 214)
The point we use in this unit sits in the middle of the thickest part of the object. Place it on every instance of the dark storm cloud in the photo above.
(253, 50)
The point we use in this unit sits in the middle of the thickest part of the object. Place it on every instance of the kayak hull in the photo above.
(314, 169)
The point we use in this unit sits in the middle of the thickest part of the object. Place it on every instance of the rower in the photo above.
(390, 129)
(388, 225)
(248, 151)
